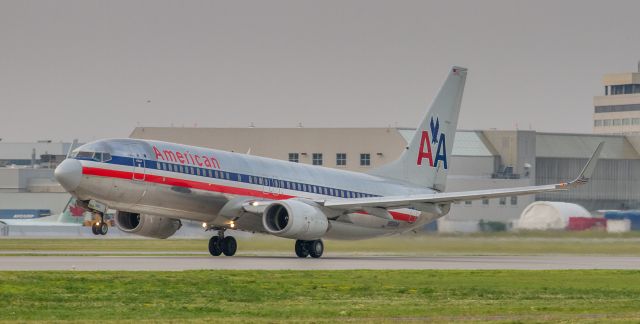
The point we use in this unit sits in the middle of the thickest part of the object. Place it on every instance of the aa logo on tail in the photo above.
(438, 139)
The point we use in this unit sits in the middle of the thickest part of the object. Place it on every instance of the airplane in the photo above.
(154, 185)
(69, 217)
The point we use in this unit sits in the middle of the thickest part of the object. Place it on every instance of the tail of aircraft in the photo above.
(71, 213)
(427, 159)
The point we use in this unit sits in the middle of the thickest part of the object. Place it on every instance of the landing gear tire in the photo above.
(94, 229)
(214, 246)
(229, 245)
(102, 229)
(316, 248)
(301, 249)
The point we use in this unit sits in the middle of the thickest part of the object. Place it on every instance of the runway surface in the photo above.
(330, 262)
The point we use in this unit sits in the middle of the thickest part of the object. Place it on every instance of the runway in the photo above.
(330, 262)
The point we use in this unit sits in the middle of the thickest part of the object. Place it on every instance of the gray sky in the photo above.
(94, 69)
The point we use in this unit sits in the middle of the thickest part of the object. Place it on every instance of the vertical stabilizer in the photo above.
(427, 158)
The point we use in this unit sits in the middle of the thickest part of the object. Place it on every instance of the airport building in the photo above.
(618, 110)
(481, 160)
(26, 176)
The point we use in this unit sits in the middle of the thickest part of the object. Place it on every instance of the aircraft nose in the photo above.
(69, 174)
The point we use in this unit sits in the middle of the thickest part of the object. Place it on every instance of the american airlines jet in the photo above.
(154, 185)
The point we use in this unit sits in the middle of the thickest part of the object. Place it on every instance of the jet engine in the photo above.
(295, 219)
(159, 227)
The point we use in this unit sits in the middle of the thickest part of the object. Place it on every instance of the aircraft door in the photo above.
(275, 186)
(139, 170)
(139, 157)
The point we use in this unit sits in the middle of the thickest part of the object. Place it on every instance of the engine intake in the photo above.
(295, 219)
(147, 225)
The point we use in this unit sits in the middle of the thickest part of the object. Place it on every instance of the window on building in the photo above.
(316, 159)
(606, 122)
(617, 89)
(503, 201)
(597, 123)
(514, 200)
(485, 201)
(626, 121)
(341, 159)
(467, 202)
(294, 157)
(617, 122)
(628, 88)
(635, 121)
(365, 159)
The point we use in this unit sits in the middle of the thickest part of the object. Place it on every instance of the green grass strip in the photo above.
(496, 244)
(321, 296)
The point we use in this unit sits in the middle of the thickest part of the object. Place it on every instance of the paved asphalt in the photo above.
(328, 262)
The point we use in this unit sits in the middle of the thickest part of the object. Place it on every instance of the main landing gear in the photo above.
(100, 227)
(222, 244)
(312, 248)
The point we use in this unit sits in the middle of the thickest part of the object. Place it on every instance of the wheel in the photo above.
(94, 229)
(315, 247)
(301, 249)
(103, 228)
(229, 246)
(214, 246)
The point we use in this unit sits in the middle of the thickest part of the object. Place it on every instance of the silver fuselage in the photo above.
(195, 183)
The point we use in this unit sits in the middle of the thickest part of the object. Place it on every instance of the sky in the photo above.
(96, 69)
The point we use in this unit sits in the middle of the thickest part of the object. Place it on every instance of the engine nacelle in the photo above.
(159, 227)
(295, 219)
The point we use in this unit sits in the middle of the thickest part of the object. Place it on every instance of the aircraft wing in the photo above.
(417, 201)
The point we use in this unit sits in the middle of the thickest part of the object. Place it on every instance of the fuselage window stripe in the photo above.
(237, 177)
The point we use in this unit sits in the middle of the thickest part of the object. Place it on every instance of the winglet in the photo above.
(588, 169)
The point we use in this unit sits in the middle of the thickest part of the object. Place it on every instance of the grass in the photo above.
(321, 296)
(594, 243)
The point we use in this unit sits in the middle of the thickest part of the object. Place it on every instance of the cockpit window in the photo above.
(84, 155)
(95, 156)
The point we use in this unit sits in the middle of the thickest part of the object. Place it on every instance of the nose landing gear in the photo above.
(100, 227)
